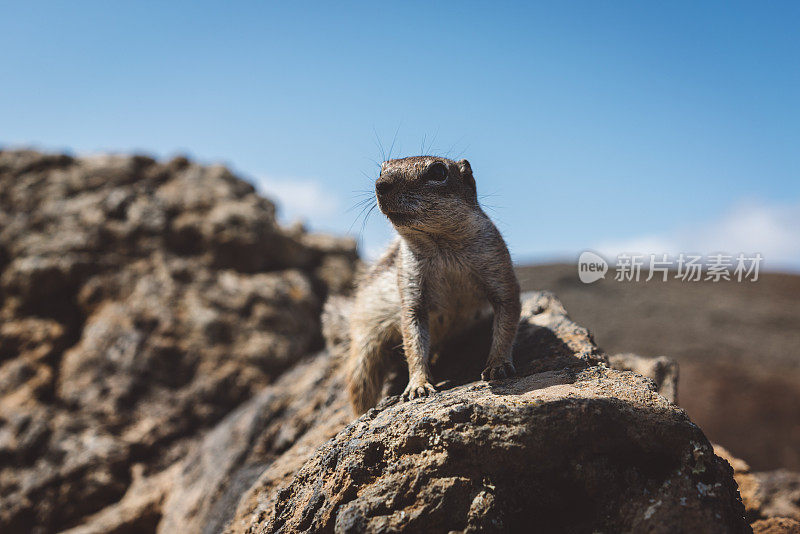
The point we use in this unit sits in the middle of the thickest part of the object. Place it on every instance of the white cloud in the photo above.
(299, 199)
(376, 250)
(770, 229)
(324, 210)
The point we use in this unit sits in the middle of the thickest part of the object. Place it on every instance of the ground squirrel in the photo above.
(447, 263)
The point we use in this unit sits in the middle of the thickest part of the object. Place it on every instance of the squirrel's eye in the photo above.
(436, 172)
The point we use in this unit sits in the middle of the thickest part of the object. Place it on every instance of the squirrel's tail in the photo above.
(366, 368)
(336, 324)
(367, 374)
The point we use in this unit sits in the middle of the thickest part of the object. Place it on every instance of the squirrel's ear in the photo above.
(466, 174)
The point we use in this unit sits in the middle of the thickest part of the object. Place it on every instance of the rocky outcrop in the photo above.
(736, 344)
(140, 302)
(570, 444)
(162, 370)
(777, 493)
(661, 370)
(566, 451)
(776, 525)
(771, 498)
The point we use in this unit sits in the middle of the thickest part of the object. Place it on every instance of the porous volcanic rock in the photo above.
(662, 370)
(162, 370)
(778, 493)
(568, 446)
(776, 525)
(563, 451)
(140, 302)
(266, 440)
(765, 494)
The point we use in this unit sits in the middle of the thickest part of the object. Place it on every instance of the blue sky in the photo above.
(666, 127)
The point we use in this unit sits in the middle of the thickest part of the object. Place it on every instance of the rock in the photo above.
(139, 510)
(777, 493)
(661, 370)
(748, 485)
(562, 450)
(765, 494)
(273, 433)
(573, 445)
(140, 303)
(736, 344)
(162, 370)
(637, 454)
(776, 525)
(738, 465)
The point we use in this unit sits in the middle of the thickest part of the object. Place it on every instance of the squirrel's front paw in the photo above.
(498, 371)
(416, 390)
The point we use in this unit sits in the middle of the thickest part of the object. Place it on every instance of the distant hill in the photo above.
(738, 346)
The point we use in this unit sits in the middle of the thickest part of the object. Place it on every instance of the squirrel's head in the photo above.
(426, 192)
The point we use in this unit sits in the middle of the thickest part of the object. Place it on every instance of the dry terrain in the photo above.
(736, 343)
(162, 370)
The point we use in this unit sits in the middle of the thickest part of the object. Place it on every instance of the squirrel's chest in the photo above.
(454, 298)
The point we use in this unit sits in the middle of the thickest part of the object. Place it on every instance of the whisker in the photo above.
(380, 145)
(359, 204)
(363, 209)
(391, 148)
(368, 177)
(366, 217)
(433, 140)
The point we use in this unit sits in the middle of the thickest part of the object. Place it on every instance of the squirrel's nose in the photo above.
(383, 188)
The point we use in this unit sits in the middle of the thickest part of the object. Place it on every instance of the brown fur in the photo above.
(447, 262)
